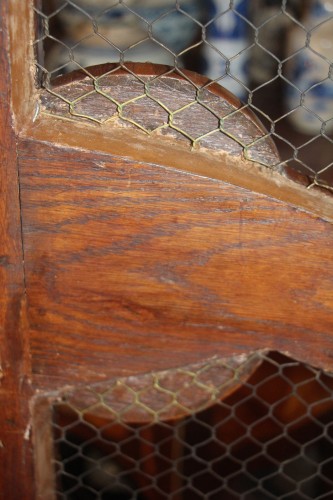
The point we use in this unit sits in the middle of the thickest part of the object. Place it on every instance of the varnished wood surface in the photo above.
(219, 165)
(16, 475)
(132, 267)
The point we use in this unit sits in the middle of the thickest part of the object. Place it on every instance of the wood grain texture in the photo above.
(132, 267)
(159, 99)
(16, 475)
(135, 266)
(289, 188)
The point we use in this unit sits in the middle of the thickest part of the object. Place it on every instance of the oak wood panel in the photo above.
(132, 267)
(186, 274)
(16, 472)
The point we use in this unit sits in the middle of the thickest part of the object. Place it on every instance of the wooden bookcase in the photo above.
(122, 254)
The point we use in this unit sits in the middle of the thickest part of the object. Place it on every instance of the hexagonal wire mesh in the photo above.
(276, 55)
(257, 427)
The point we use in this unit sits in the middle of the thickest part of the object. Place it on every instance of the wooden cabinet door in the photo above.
(125, 252)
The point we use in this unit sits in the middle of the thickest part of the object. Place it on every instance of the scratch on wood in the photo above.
(27, 431)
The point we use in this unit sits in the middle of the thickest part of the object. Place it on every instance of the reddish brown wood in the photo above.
(154, 108)
(133, 267)
(214, 165)
(136, 265)
(16, 474)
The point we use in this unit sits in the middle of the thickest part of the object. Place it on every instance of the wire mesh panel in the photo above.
(257, 427)
(275, 55)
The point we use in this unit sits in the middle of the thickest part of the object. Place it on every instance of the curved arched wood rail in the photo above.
(150, 108)
(134, 259)
(129, 261)
(158, 99)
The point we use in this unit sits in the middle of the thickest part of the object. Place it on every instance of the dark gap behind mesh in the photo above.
(271, 438)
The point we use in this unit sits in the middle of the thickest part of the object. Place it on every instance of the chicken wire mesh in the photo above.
(276, 56)
(251, 427)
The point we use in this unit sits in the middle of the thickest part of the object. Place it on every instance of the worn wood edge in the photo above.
(243, 366)
(152, 70)
(156, 71)
(159, 74)
(41, 410)
(152, 148)
(25, 95)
